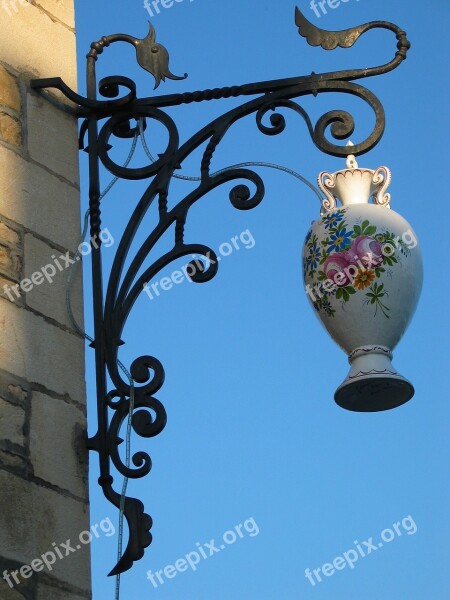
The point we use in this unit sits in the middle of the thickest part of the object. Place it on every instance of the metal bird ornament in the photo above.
(154, 58)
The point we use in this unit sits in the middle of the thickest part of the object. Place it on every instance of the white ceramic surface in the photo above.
(363, 275)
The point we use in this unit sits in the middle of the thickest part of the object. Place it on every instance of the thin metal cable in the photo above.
(125, 479)
(77, 255)
(238, 166)
(76, 326)
(69, 283)
(279, 168)
(79, 330)
(152, 158)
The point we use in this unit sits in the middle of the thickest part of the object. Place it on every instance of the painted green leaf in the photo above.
(390, 260)
(370, 230)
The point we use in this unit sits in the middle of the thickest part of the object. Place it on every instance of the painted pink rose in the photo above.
(365, 250)
(336, 268)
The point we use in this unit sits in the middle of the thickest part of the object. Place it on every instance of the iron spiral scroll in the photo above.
(121, 112)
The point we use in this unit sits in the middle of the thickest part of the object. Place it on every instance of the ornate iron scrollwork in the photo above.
(119, 113)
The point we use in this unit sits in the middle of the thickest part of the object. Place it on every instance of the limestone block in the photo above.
(9, 90)
(49, 50)
(49, 271)
(11, 253)
(5, 285)
(44, 592)
(40, 352)
(17, 393)
(6, 593)
(33, 518)
(52, 137)
(57, 443)
(10, 129)
(39, 201)
(12, 422)
(9, 235)
(62, 9)
(13, 389)
(11, 262)
(7, 459)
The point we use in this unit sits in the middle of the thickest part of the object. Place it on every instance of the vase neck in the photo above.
(355, 185)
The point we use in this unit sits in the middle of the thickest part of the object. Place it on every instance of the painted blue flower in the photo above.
(326, 306)
(308, 236)
(340, 240)
(332, 219)
(313, 257)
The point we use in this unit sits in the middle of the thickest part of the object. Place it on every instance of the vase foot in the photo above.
(373, 384)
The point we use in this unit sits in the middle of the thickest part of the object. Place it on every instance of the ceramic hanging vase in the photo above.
(363, 274)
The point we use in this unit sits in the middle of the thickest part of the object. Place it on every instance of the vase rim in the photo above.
(355, 185)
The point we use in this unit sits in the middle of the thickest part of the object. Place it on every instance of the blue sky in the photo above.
(253, 435)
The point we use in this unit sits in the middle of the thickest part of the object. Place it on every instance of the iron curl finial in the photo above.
(151, 56)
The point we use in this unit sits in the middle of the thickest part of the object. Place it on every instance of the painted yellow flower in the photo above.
(364, 278)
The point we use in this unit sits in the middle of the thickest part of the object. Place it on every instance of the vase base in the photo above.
(373, 394)
(373, 383)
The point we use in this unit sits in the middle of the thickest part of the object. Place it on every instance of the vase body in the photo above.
(362, 269)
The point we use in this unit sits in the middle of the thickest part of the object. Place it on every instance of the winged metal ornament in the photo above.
(328, 40)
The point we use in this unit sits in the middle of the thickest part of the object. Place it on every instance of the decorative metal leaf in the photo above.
(140, 538)
(154, 58)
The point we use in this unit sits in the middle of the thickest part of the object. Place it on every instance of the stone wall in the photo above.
(43, 461)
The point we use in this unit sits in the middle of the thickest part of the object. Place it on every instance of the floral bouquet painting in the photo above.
(350, 259)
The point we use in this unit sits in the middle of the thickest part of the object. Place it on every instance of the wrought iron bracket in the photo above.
(121, 115)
